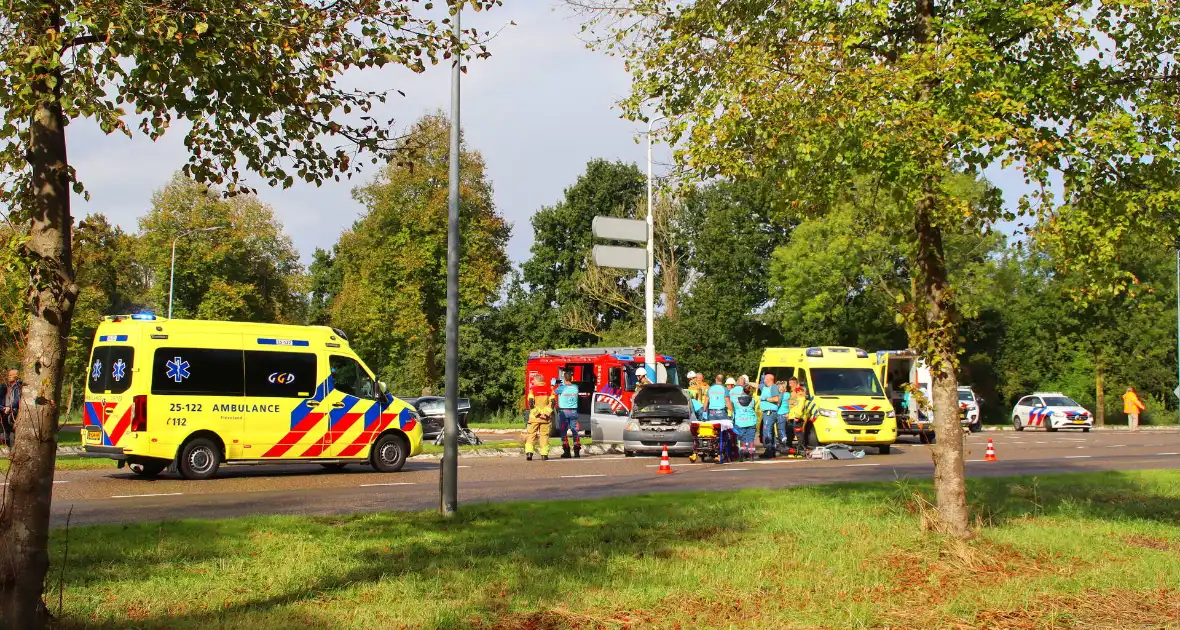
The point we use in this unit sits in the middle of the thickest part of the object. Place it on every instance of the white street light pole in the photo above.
(172, 273)
(649, 351)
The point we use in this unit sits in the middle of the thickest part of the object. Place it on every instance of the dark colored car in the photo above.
(431, 412)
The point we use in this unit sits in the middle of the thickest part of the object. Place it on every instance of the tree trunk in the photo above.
(1099, 395)
(24, 515)
(936, 334)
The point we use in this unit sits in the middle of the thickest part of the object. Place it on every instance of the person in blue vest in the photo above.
(718, 400)
(567, 410)
(745, 421)
(768, 402)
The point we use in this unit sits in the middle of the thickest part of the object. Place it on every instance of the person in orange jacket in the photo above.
(1132, 406)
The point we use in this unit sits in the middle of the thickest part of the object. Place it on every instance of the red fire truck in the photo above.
(605, 376)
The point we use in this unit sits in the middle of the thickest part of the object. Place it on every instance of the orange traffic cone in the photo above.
(990, 455)
(665, 465)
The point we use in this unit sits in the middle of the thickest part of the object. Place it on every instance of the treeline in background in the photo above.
(737, 271)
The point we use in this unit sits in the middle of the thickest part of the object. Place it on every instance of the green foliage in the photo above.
(246, 270)
(255, 83)
(557, 267)
(392, 297)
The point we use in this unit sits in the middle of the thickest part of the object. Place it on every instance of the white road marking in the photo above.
(1160, 454)
(5, 484)
(1077, 456)
(862, 464)
(1117, 446)
(395, 483)
(135, 496)
(579, 476)
(727, 469)
(977, 460)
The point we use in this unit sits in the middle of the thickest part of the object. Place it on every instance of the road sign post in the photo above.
(633, 231)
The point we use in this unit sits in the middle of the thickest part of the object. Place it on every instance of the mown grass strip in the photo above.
(1063, 551)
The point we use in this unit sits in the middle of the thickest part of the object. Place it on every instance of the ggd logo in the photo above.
(281, 378)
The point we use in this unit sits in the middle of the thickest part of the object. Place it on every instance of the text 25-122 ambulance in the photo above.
(203, 393)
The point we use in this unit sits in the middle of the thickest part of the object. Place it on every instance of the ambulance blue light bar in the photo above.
(147, 316)
(815, 352)
(862, 354)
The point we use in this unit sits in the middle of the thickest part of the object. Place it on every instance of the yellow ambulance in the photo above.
(198, 394)
(845, 401)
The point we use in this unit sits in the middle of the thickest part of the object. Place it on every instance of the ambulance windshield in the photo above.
(845, 382)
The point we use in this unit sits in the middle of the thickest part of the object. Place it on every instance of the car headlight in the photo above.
(890, 414)
(685, 426)
(829, 413)
(632, 426)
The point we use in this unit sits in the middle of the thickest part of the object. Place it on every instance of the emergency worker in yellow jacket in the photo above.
(540, 404)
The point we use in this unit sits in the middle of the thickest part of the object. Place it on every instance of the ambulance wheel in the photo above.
(1016, 424)
(884, 449)
(1085, 429)
(389, 453)
(199, 459)
(1050, 428)
(147, 470)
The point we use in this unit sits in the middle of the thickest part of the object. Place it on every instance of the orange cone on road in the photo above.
(990, 455)
(665, 465)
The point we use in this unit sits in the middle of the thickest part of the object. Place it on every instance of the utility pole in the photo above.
(449, 501)
(649, 351)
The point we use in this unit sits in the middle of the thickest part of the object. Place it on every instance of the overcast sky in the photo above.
(538, 110)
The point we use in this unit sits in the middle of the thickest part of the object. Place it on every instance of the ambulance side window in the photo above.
(349, 377)
(110, 369)
(280, 374)
(197, 372)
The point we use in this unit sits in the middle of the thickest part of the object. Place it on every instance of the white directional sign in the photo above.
(1177, 391)
(620, 257)
(616, 229)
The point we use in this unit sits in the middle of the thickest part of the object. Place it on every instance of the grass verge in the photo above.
(1090, 550)
(70, 462)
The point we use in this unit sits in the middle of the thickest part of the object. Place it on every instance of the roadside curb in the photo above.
(554, 451)
(1103, 428)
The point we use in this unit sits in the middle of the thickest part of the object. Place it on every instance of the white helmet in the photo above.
(692, 374)
(641, 372)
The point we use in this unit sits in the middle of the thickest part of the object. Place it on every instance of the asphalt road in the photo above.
(117, 496)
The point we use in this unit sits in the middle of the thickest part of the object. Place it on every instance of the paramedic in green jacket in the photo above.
(567, 410)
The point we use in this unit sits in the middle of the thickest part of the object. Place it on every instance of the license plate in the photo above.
(1079, 422)
(94, 436)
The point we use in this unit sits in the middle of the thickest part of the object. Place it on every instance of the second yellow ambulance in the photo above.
(846, 403)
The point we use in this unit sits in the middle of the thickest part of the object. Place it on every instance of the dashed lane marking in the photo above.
(61, 481)
(1169, 453)
(393, 483)
(1077, 456)
(579, 476)
(854, 465)
(156, 494)
(727, 469)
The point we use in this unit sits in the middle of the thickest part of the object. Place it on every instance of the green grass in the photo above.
(72, 462)
(1084, 550)
(475, 426)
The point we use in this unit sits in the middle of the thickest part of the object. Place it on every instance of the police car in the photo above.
(1050, 411)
